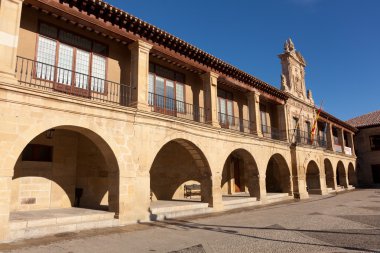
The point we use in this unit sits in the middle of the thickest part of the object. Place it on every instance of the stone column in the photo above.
(139, 73)
(322, 183)
(262, 188)
(210, 89)
(329, 137)
(341, 139)
(214, 197)
(351, 143)
(10, 15)
(134, 199)
(254, 112)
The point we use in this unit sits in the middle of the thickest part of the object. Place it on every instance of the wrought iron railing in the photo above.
(48, 77)
(273, 132)
(176, 108)
(305, 138)
(235, 123)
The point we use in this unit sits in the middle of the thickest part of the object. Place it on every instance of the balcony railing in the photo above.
(47, 77)
(235, 123)
(304, 138)
(176, 108)
(273, 132)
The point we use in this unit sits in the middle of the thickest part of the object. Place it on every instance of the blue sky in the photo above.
(340, 40)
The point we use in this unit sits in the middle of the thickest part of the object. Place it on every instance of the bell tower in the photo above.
(293, 73)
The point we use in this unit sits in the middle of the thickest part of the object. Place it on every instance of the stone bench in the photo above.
(192, 190)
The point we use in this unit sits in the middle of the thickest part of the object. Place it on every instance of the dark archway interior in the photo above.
(341, 175)
(329, 174)
(277, 175)
(312, 177)
(179, 163)
(240, 174)
(73, 167)
(352, 178)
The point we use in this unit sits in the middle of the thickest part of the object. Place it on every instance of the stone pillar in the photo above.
(262, 194)
(329, 136)
(134, 199)
(351, 143)
(254, 112)
(322, 183)
(215, 199)
(282, 122)
(341, 139)
(210, 87)
(10, 15)
(139, 73)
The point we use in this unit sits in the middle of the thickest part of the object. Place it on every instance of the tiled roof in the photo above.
(369, 119)
(123, 20)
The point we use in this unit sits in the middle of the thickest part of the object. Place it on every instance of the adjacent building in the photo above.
(103, 111)
(367, 143)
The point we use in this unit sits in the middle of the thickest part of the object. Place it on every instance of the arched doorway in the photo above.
(240, 174)
(352, 179)
(180, 164)
(277, 177)
(66, 167)
(313, 183)
(329, 170)
(341, 177)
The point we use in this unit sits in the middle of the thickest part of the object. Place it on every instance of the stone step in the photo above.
(330, 190)
(170, 212)
(240, 203)
(277, 197)
(32, 228)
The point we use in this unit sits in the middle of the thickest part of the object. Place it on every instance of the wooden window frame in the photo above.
(227, 123)
(175, 82)
(71, 89)
(372, 146)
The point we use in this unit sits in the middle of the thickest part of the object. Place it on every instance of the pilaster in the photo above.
(210, 86)
(10, 15)
(254, 112)
(140, 73)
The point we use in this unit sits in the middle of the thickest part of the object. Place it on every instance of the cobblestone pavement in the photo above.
(348, 222)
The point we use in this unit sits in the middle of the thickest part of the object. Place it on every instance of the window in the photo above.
(375, 142)
(166, 89)
(37, 153)
(335, 136)
(226, 113)
(263, 118)
(308, 130)
(70, 60)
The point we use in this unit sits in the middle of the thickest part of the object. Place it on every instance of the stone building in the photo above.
(367, 143)
(103, 111)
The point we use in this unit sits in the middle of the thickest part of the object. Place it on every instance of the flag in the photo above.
(315, 123)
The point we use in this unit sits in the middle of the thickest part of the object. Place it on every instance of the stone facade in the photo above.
(122, 151)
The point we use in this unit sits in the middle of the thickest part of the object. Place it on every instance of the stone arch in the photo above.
(240, 174)
(82, 171)
(330, 175)
(177, 163)
(352, 178)
(277, 176)
(341, 175)
(313, 178)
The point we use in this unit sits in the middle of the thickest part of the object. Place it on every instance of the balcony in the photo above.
(176, 108)
(273, 133)
(235, 123)
(304, 138)
(38, 75)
